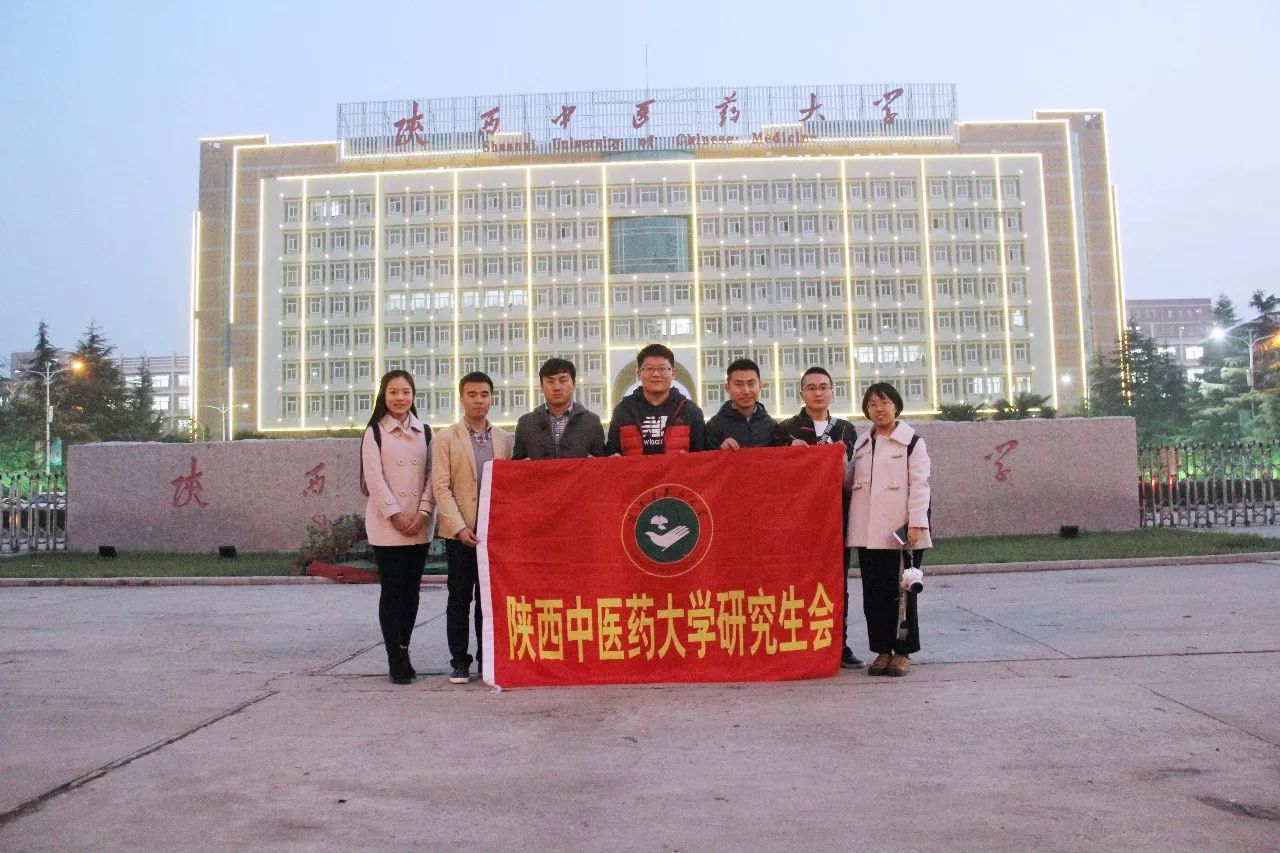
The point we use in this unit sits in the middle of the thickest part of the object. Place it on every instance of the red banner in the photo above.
(722, 566)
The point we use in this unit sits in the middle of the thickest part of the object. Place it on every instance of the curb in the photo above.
(437, 580)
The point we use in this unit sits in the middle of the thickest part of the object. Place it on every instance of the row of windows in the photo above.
(569, 296)
(956, 188)
(728, 260)
(825, 294)
(439, 404)
(757, 227)
(757, 324)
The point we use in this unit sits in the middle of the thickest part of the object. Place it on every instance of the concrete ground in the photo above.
(1075, 710)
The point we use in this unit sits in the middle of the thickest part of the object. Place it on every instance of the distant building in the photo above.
(1179, 327)
(170, 385)
(858, 227)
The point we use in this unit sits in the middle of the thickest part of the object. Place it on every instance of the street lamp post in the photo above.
(47, 374)
(1219, 334)
(225, 412)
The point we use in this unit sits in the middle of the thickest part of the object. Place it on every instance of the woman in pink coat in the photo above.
(395, 471)
(890, 490)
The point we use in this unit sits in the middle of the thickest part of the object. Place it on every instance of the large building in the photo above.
(859, 227)
(1180, 327)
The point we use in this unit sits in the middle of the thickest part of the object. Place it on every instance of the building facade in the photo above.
(962, 261)
(1180, 327)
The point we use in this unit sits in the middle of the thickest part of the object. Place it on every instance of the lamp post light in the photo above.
(47, 375)
(225, 412)
(1219, 334)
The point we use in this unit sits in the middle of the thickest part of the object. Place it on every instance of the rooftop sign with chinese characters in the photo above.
(554, 123)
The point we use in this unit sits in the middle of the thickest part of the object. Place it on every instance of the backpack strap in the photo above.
(377, 439)
(911, 445)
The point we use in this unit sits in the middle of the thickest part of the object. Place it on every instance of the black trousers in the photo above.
(880, 602)
(400, 574)
(464, 586)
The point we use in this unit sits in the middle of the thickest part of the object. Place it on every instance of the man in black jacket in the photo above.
(559, 428)
(742, 421)
(656, 417)
(815, 425)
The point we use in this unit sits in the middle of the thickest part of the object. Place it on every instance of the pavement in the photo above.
(1126, 708)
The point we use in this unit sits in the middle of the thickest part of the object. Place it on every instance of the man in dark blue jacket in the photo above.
(815, 424)
(560, 428)
(742, 421)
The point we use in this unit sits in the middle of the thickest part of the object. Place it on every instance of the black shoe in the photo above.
(459, 675)
(848, 660)
(404, 656)
(398, 667)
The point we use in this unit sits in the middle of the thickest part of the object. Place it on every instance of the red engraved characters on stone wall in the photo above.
(315, 481)
(187, 488)
(999, 453)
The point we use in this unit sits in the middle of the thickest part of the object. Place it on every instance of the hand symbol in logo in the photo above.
(671, 537)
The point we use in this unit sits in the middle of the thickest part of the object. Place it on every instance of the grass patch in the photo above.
(62, 564)
(1149, 542)
(1157, 542)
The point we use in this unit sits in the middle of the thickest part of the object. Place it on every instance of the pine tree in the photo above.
(1146, 384)
(94, 405)
(146, 423)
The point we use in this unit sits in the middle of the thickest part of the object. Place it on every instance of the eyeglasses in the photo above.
(816, 388)
(656, 371)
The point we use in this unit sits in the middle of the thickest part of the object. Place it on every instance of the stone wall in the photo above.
(259, 495)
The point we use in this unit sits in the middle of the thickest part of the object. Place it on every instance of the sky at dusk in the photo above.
(104, 105)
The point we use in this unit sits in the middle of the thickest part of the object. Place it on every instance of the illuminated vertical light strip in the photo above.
(777, 376)
(1075, 258)
(848, 282)
(926, 225)
(457, 300)
(696, 262)
(1118, 287)
(231, 230)
(378, 367)
(195, 321)
(1117, 262)
(607, 297)
(1005, 320)
(1048, 284)
(528, 270)
(304, 347)
(262, 299)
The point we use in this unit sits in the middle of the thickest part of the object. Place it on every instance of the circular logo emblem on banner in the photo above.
(667, 530)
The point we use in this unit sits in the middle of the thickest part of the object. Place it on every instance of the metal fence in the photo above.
(1209, 485)
(33, 512)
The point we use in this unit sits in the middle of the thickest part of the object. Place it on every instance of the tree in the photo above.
(1024, 405)
(1218, 352)
(146, 424)
(22, 416)
(1140, 381)
(957, 412)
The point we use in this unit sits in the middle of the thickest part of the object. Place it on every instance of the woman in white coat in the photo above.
(890, 489)
(395, 472)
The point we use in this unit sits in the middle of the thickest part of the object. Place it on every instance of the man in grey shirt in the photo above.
(560, 428)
